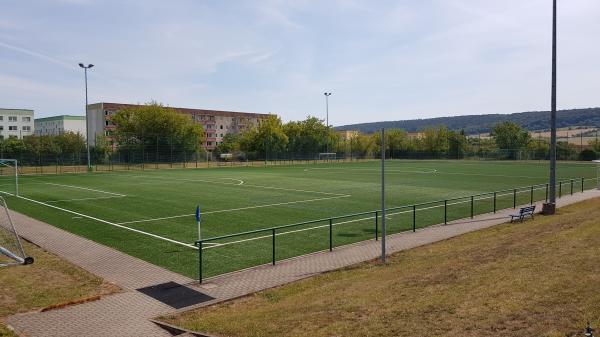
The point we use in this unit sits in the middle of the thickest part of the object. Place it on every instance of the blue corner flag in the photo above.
(198, 222)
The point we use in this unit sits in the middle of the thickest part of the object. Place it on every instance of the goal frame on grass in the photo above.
(13, 164)
(327, 156)
(10, 242)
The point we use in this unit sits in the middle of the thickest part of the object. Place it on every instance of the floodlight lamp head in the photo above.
(90, 65)
(81, 65)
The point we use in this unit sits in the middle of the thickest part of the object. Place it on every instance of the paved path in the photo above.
(123, 314)
(128, 313)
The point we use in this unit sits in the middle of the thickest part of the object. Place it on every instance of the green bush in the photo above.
(587, 155)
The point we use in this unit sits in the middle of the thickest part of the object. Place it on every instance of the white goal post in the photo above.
(9, 176)
(11, 249)
(327, 156)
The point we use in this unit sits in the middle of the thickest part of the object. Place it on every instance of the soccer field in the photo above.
(150, 214)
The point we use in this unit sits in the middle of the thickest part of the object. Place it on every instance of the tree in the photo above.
(435, 140)
(268, 138)
(153, 125)
(230, 143)
(457, 144)
(510, 137)
(309, 136)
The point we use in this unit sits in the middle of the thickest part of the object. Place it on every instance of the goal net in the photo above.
(9, 177)
(11, 249)
(327, 156)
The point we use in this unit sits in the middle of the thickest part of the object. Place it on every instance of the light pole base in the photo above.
(549, 208)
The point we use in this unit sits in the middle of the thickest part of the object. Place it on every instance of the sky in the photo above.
(382, 60)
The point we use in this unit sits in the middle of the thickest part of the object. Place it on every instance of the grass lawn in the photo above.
(50, 281)
(150, 214)
(537, 278)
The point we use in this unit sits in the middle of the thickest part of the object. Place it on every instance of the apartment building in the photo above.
(57, 125)
(16, 123)
(216, 123)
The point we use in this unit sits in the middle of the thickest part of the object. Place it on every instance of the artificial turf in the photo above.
(161, 203)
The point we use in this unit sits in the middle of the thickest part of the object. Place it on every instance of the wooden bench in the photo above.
(523, 212)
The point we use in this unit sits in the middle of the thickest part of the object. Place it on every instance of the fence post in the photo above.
(531, 202)
(571, 186)
(560, 189)
(445, 212)
(376, 225)
(414, 218)
(495, 202)
(546, 192)
(582, 180)
(200, 262)
(273, 230)
(515, 198)
(472, 204)
(330, 235)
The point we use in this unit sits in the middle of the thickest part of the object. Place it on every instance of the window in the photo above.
(12, 128)
(1, 127)
(221, 127)
(12, 118)
(1, 118)
(208, 143)
(26, 128)
(26, 119)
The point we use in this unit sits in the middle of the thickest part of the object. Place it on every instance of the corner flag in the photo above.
(198, 221)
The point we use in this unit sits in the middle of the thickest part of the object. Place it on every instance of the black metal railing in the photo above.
(374, 215)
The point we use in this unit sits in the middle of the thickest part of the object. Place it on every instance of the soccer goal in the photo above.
(327, 156)
(11, 249)
(9, 177)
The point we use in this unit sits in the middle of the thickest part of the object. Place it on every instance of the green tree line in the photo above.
(156, 133)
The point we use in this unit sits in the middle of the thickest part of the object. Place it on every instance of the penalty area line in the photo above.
(87, 189)
(109, 223)
(235, 209)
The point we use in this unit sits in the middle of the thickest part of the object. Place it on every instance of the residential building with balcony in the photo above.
(216, 123)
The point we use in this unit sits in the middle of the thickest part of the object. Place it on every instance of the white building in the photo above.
(57, 125)
(16, 123)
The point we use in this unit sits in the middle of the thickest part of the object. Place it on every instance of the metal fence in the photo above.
(321, 237)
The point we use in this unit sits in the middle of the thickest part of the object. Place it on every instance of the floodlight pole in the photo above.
(550, 207)
(87, 128)
(327, 94)
(382, 195)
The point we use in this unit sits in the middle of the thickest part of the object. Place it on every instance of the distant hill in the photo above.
(534, 120)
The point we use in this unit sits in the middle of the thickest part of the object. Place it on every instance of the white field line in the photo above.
(239, 184)
(350, 221)
(235, 209)
(424, 171)
(87, 189)
(108, 222)
(82, 199)
(420, 170)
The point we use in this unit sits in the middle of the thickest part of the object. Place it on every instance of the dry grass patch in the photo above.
(538, 278)
(50, 281)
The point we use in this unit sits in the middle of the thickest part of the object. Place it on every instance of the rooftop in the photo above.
(60, 117)
(108, 105)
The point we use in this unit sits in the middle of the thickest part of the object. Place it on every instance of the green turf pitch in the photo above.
(150, 214)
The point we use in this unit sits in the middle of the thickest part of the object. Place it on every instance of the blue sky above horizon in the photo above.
(383, 60)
